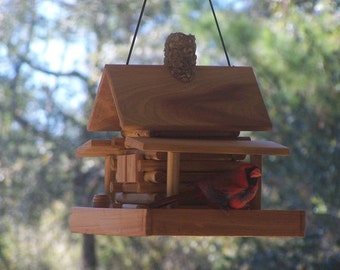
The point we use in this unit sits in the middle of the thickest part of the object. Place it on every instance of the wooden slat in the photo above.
(208, 146)
(98, 148)
(160, 176)
(146, 187)
(106, 221)
(193, 222)
(121, 174)
(256, 202)
(173, 166)
(268, 223)
(110, 176)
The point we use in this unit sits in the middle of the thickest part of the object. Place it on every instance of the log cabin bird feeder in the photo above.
(180, 126)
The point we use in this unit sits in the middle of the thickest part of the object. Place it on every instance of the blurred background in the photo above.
(52, 54)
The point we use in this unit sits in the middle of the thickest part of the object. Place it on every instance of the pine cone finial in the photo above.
(180, 55)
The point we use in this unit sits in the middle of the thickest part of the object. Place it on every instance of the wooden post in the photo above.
(173, 168)
(110, 176)
(132, 173)
(256, 202)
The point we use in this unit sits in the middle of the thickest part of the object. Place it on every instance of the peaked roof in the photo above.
(147, 97)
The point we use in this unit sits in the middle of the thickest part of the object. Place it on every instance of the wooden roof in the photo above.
(147, 97)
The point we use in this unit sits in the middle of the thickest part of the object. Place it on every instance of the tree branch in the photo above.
(73, 73)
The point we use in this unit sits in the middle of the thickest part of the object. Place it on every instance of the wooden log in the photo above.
(133, 175)
(137, 198)
(188, 165)
(110, 176)
(152, 188)
(121, 173)
(208, 146)
(155, 155)
(172, 177)
(203, 156)
(127, 168)
(143, 187)
(133, 206)
(193, 156)
(136, 133)
(155, 177)
(151, 165)
(101, 201)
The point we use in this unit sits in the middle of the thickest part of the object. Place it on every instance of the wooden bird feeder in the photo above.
(173, 134)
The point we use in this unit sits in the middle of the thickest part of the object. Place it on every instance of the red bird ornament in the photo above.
(227, 190)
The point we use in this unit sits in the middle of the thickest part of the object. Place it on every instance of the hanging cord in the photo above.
(140, 19)
(219, 32)
(136, 31)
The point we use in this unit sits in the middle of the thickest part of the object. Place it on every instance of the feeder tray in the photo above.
(175, 133)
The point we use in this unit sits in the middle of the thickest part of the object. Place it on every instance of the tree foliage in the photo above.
(52, 54)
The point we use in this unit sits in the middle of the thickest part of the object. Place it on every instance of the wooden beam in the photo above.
(172, 178)
(104, 115)
(98, 148)
(106, 221)
(207, 146)
(190, 222)
(110, 176)
(269, 223)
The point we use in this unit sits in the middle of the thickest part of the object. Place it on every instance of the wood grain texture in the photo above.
(105, 221)
(132, 173)
(193, 222)
(98, 148)
(193, 156)
(110, 176)
(172, 176)
(121, 173)
(218, 99)
(208, 146)
(104, 114)
(233, 223)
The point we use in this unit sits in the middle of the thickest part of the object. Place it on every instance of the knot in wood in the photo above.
(180, 55)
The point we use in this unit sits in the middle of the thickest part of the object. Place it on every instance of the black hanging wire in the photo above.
(136, 31)
(219, 32)
(140, 19)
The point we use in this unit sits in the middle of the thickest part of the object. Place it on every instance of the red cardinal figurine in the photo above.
(224, 191)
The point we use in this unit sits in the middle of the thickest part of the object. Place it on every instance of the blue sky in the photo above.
(56, 55)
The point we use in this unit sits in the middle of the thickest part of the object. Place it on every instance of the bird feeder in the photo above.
(174, 133)
(179, 123)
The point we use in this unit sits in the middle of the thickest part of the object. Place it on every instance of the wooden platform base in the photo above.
(190, 222)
